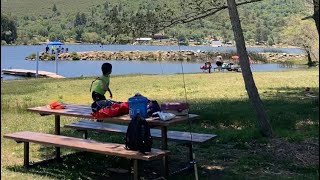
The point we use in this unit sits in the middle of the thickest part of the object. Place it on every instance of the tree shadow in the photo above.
(86, 165)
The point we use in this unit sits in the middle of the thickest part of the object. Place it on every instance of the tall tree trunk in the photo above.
(310, 63)
(262, 117)
(316, 13)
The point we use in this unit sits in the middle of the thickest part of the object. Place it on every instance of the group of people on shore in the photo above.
(221, 65)
(59, 49)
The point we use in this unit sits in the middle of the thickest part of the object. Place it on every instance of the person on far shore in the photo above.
(219, 63)
(47, 49)
(58, 49)
(52, 49)
(208, 66)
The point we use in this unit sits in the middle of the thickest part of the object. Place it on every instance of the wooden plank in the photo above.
(30, 73)
(84, 111)
(84, 145)
(122, 129)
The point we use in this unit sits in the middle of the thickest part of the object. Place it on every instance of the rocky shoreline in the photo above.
(188, 56)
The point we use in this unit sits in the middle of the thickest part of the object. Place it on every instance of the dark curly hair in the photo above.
(106, 68)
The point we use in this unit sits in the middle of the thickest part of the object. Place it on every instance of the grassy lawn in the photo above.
(220, 99)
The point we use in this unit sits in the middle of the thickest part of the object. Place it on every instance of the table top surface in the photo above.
(84, 111)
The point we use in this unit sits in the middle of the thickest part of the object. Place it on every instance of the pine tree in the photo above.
(54, 9)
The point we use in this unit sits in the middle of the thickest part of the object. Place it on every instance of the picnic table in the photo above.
(84, 111)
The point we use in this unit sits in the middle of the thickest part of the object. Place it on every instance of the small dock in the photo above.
(30, 73)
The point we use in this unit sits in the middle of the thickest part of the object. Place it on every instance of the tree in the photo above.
(78, 31)
(199, 9)
(262, 116)
(91, 37)
(8, 29)
(270, 41)
(54, 8)
(192, 10)
(80, 19)
(315, 15)
(303, 34)
(83, 19)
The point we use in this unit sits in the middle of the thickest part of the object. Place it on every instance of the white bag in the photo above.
(165, 116)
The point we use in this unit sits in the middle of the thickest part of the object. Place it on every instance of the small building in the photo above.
(142, 40)
(216, 43)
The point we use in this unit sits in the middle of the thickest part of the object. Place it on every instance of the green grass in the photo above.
(219, 98)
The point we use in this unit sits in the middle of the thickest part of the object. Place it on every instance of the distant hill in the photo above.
(38, 8)
(120, 21)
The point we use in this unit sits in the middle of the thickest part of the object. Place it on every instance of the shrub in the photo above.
(258, 57)
(75, 56)
(51, 57)
(32, 56)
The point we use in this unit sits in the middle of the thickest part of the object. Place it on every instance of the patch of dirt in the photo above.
(300, 153)
(223, 161)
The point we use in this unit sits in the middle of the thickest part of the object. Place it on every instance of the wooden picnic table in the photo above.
(84, 111)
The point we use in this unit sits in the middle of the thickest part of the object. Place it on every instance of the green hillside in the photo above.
(114, 21)
(38, 8)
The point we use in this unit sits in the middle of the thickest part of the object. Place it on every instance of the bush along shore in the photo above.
(188, 56)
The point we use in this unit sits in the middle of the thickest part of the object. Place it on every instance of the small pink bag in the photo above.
(177, 108)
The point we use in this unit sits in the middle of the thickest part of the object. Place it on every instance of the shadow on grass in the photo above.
(86, 165)
(78, 166)
(292, 115)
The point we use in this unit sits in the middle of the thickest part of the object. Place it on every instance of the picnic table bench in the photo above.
(187, 137)
(89, 125)
(112, 149)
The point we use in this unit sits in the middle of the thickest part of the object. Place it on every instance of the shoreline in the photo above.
(183, 55)
(158, 44)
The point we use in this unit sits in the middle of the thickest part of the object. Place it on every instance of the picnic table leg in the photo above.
(85, 135)
(26, 154)
(164, 146)
(190, 152)
(136, 174)
(57, 132)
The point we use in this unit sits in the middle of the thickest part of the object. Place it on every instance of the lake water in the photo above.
(14, 57)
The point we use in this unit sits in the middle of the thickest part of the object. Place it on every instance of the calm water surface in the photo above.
(14, 57)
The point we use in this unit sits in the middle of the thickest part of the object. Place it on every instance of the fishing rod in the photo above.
(193, 161)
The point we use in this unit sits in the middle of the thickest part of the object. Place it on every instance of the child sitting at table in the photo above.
(102, 85)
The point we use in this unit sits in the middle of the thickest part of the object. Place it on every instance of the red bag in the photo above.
(124, 108)
(114, 110)
(56, 105)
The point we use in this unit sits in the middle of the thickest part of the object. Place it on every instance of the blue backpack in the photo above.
(138, 136)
